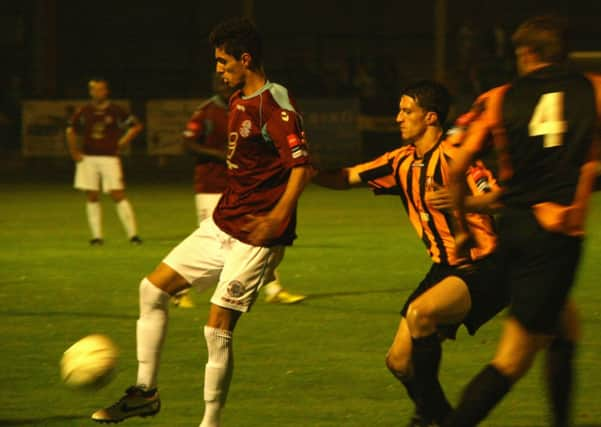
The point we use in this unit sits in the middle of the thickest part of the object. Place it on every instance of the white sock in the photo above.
(150, 332)
(94, 213)
(218, 374)
(127, 217)
(274, 287)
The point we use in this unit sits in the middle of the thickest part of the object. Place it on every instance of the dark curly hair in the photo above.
(431, 96)
(237, 36)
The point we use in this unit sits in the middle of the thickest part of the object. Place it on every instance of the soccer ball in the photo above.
(90, 362)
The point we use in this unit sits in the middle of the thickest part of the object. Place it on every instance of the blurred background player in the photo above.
(545, 127)
(240, 246)
(456, 290)
(206, 136)
(105, 129)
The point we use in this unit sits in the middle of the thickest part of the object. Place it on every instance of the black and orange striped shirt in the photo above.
(400, 172)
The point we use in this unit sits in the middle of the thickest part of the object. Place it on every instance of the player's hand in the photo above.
(464, 241)
(262, 229)
(439, 199)
(77, 156)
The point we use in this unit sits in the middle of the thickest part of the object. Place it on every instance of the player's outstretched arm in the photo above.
(337, 179)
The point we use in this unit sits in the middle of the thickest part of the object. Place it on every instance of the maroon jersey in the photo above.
(208, 126)
(266, 141)
(101, 128)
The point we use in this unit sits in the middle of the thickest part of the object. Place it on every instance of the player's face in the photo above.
(411, 119)
(99, 91)
(231, 70)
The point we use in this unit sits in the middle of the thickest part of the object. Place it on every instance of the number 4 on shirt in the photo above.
(548, 119)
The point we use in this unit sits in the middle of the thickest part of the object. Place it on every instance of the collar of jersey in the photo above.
(265, 87)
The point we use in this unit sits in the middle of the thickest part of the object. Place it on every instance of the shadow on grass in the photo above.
(42, 421)
(65, 314)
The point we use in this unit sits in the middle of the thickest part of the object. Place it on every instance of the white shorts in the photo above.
(209, 256)
(205, 205)
(94, 170)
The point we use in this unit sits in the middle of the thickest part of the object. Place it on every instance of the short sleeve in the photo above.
(285, 131)
(379, 173)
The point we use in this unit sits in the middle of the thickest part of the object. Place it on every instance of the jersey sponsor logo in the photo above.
(245, 128)
(293, 140)
(235, 289)
(193, 126)
(285, 116)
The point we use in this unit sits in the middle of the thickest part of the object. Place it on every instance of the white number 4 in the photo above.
(547, 119)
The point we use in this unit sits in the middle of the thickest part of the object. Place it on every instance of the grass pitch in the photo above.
(316, 364)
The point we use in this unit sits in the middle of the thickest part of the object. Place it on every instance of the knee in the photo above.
(117, 195)
(92, 196)
(152, 296)
(399, 364)
(514, 367)
(420, 319)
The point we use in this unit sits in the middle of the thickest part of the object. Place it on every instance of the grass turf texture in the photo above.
(318, 364)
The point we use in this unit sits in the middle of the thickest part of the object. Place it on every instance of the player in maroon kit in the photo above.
(241, 245)
(105, 128)
(206, 136)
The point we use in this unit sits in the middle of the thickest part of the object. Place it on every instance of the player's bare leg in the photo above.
(398, 362)
(515, 354)
(143, 399)
(448, 302)
(220, 365)
(94, 215)
(126, 215)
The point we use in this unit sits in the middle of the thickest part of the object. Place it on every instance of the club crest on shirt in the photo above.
(245, 128)
(235, 289)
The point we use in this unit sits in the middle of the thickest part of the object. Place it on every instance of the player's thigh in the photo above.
(570, 327)
(246, 269)
(446, 302)
(167, 279)
(86, 175)
(517, 348)
(111, 173)
(398, 358)
(199, 257)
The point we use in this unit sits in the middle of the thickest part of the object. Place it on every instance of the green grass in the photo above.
(317, 364)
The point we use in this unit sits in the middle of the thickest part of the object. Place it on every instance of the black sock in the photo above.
(413, 390)
(425, 356)
(559, 375)
(481, 395)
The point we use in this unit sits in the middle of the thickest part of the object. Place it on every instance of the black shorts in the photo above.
(488, 292)
(541, 268)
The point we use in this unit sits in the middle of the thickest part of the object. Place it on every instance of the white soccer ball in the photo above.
(90, 362)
